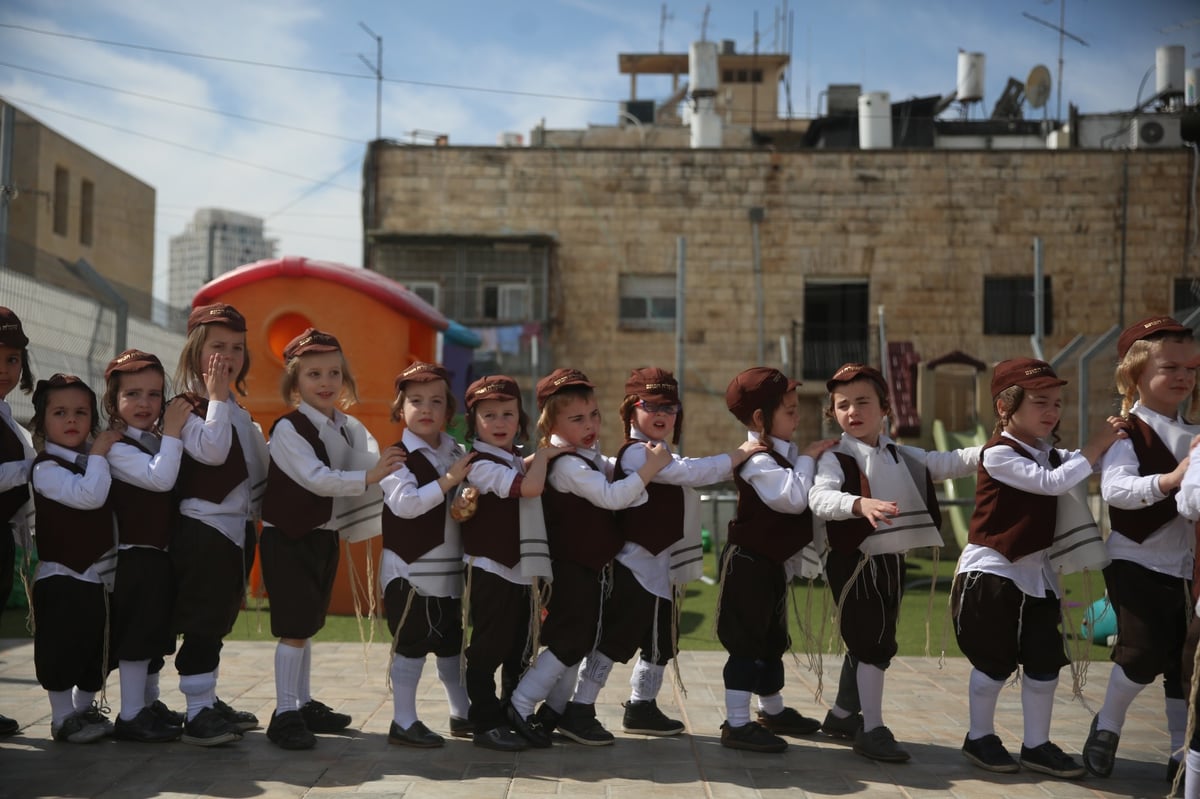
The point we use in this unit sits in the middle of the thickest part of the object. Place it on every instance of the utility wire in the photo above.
(306, 70)
(312, 189)
(205, 109)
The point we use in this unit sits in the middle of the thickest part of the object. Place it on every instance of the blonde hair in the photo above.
(189, 374)
(291, 375)
(554, 405)
(1129, 370)
(398, 404)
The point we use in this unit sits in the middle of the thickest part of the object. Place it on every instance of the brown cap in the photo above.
(132, 361)
(1146, 328)
(558, 380)
(220, 314)
(421, 372)
(311, 340)
(11, 332)
(492, 387)
(1026, 373)
(756, 388)
(849, 372)
(652, 384)
(59, 380)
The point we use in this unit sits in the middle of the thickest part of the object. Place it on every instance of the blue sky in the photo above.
(540, 56)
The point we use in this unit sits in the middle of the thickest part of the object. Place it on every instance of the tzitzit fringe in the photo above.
(933, 581)
(1191, 720)
(678, 592)
(103, 704)
(802, 624)
(863, 560)
(367, 637)
(950, 613)
(1080, 654)
(722, 575)
(412, 594)
(27, 585)
(539, 598)
(466, 618)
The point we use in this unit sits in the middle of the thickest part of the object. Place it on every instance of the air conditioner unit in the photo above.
(1155, 132)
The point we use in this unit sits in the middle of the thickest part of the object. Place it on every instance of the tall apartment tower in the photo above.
(214, 242)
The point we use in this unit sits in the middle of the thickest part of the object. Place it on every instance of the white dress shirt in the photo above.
(156, 472)
(86, 491)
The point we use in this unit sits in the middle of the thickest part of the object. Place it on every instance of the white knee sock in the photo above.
(151, 693)
(1177, 711)
(1191, 780)
(62, 706)
(564, 689)
(448, 670)
(593, 674)
(537, 683)
(870, 694)
(1037, 705)
(200, 691)
(1117, 699)
(289, 663)
(737, 707)
(406, 673)
(133, 687)
(984, 693)
(646, 681)
(82, 699)
(304, 687)
(772, 704)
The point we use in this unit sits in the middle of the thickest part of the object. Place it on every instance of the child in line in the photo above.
(507, 555)
(661, 553)
(878, 502)
(1187, 502)
(578, 500)
(1147, 579)
(223, 471)
(16, 460)
(74, 532)
(770, 527)
(421, 568)
(317, 452)
(144, 465)
(1005, 599)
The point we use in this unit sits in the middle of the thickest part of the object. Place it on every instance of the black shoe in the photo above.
(529, 728)
(1100, 750)
(579, 723)
(788, 722)
(1049, 759)
(752, 738)
(548, 717)
(240, 719)
(839, 727)
(879, 744)
(209, 728)
(501, 739)
(417, 735)
(146, 728)
(461, 728)
(287, 730)
(320, 717)
(167, 716)
(989, 753)
(74, 729)
(95, 716)
(644, 718)
(8, 726)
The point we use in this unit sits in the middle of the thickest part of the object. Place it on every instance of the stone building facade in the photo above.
(935, 245)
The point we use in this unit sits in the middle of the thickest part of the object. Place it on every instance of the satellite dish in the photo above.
(1037, 86)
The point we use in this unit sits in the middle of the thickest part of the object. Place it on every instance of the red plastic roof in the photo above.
(373, 284)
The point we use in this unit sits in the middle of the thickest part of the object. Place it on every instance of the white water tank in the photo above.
(1191, 87)
(702, 69)
(875, 121)
(970, 77)
(1168, 69)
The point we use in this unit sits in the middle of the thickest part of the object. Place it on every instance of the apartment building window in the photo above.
(1186, 296)
(836, 326)
(62, 197)
(1008, 306)
(427, 290)
(506, 302)
(87, 198)
(647, 302)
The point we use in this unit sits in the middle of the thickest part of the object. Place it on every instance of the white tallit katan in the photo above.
(687, 554)
(355, 518)
(439, 572)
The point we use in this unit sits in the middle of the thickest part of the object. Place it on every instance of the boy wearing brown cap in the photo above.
(1005, 598)
(878, 502)
(1147, 578)
(661, 554)
(769, 530)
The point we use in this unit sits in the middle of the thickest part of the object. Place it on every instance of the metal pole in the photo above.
(756, 218)
(377, 68)
(1039, 314)
(883, 359)
(7, 188)
(680, 343)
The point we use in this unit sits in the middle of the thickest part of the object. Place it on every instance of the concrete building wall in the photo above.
(923, 228)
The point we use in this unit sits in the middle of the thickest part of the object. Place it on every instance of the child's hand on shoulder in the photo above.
(875, 510)
(657, 455)
(104, 442)
(551, 452)
(1105, 437)
(175, 416)
(390, 460)
(817, 448)
(459, 470)
(745, 450)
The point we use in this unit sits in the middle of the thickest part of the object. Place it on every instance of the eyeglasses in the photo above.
(654, 407)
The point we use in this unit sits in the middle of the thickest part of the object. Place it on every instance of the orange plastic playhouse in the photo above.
(381, 325)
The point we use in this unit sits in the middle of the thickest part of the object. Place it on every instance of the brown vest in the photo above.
(847, 534)
(211, 483)
(287, 505)
(761, 529)
(11, 449)
(1013, 522)
(657, 523)
(412, 538)
(75, 538)
(144, 517)
(577, 530)
(1153, 458)
(494, 531)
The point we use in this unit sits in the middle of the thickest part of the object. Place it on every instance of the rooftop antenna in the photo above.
(377, 70)
(1062, 34)
(662, 25)
(1037, 87)
(704, 23)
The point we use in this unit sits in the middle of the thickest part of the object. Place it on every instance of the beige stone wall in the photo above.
(924, 227)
